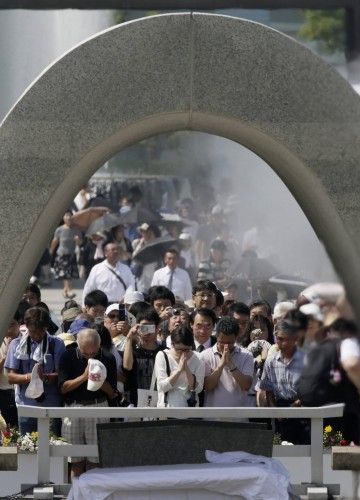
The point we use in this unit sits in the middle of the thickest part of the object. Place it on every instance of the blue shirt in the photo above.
(281, 377)
(51, 363)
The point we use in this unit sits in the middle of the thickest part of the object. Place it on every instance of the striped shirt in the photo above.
(209, 270)
(281, 377)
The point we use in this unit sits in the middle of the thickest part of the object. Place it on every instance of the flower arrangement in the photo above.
(2, 423)
(10, 436)
(331, 437)
(28, 441)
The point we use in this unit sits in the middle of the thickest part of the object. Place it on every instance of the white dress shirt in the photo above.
(102, 278)
(206, 344)
(181, 284)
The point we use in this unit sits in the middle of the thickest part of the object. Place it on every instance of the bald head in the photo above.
(89, 342)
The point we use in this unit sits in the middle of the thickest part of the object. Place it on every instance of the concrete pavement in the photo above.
(52, 295)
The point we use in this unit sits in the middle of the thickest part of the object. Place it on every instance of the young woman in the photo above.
(258, 322)
(181, 380)
(63, 245)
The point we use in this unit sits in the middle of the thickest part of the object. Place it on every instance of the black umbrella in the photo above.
(104, 223)
(138, 215)
(155, 250)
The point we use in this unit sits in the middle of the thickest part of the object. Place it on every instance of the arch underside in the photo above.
(208, 73)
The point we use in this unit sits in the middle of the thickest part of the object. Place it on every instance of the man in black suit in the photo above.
(202, 322)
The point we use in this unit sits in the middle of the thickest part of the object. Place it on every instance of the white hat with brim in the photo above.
(97, 374)
(131, 297)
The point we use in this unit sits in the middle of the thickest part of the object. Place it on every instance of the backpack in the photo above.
(323, 381)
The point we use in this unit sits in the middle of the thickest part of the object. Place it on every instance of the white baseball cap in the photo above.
(97, 374)
(112, 307)
(131, 297)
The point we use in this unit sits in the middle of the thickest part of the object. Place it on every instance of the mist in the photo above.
(247, 189)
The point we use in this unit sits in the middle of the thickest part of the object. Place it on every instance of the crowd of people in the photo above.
(189, 337)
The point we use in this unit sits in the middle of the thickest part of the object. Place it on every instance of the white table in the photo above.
(179, 482)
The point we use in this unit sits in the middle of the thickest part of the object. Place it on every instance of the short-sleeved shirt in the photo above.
(280, 376)
(66, 236)
(228, 392)
(144, 361)
(50, 365)
(73, 364)
(139, 377)
(349, 348)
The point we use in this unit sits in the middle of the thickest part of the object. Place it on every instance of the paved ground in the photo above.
(52, 295)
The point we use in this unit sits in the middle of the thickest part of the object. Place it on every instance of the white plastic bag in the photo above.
(36, 387)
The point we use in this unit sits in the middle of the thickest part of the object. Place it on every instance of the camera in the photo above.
(144, 329)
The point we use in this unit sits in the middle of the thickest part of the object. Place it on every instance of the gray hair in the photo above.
(88, 335)
(282, 308)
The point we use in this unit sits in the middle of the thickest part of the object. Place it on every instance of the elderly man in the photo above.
(173, 277)
(73, 378)
(110, 276)
(280, 377)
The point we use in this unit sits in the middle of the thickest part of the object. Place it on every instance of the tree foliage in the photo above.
(326, 27)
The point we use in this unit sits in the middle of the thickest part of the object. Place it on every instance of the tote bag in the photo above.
(148, 398)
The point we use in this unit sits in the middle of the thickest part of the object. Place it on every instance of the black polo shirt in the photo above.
(72, 365)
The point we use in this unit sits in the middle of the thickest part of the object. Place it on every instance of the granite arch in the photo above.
(209, 73)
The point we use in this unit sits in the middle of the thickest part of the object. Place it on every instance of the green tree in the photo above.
(122, 16)
(326, 27)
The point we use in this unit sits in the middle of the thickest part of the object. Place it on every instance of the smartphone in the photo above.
(122, 313)
(144, 329)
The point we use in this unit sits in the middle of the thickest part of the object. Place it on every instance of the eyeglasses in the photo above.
(204, 295)
(202, 326)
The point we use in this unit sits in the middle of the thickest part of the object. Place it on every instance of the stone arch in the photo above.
(209, 73)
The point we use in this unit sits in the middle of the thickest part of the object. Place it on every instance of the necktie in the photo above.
(170, 283)
(200, 348)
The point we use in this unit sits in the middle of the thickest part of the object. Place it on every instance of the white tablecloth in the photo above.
(179, 482)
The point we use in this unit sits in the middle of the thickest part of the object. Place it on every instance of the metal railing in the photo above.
(45, 450)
